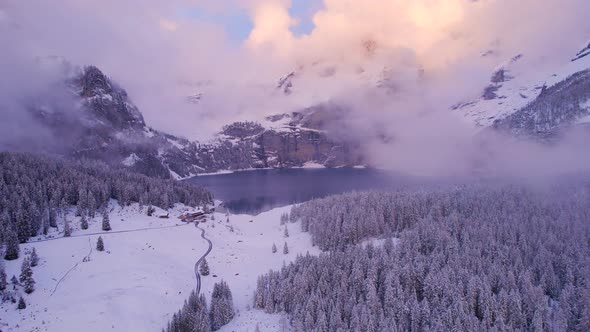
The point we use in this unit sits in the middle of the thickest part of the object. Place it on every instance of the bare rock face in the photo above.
(294, 149)
(305, 137)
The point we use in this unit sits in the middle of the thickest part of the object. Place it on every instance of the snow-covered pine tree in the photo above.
(286, 232)
(284, 218)
(99, 244)
(67, 229)
(34, 258)
(3, 281)
(14, 281)
(222, 308)
(150, 210)
(106, 224)
(12, 244)
(23, 225)
(274, 248)
(26, 276)
(192, 317)
(79, 210)
(91, 205)
(204, 268)
(52, 217)
(285, 249)
(83, 222)
(21, 304)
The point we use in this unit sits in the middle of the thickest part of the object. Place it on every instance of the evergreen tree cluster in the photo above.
(36, 190)
(474, 259)
(25, 282)
(222, 305)
(194, 315)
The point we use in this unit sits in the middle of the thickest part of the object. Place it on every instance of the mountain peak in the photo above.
(106, 100)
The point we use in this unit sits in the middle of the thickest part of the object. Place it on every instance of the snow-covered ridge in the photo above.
(583, 53)
(513, 86)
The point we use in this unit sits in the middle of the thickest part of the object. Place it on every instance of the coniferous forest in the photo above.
(473, 258)
(36, 190)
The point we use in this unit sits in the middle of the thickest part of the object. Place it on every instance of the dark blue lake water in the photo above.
(253, 192)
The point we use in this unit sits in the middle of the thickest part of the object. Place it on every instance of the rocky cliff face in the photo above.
(96, 119)
(294, 143)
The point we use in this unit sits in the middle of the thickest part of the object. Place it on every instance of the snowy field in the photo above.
(144, 275)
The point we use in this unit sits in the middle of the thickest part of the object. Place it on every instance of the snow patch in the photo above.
(130, 160)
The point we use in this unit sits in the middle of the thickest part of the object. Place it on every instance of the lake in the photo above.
(252, 192)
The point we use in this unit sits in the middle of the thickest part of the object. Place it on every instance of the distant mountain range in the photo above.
(100, 121)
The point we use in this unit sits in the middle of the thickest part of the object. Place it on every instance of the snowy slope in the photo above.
(239, 257)
(146, 274)
(514, 85)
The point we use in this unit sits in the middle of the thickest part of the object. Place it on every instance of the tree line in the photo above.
(36, 190)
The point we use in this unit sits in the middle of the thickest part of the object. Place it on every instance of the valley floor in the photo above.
(147, 271)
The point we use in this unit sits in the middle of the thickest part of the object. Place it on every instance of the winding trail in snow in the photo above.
(63, 277)
(197, 274)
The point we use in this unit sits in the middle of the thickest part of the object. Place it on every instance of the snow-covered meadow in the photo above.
(145, 273)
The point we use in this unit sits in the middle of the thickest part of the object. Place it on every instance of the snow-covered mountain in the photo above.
(532, 100)
(100, 121)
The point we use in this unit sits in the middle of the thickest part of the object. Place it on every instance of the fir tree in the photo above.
(91, 205)
(204, 268)
(14, 281)
(3, 281)
(285, 249)
(284, 218)
(106, 225)
(21, 304)
(83, 222)
(12, 245)
(67, 229)
(52, 218)
(274, 248)
(99, 244)
(26, 276)
(286, 232)
(34, 258)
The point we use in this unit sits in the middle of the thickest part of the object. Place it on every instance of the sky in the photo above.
(427, 53)
(238, 25)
